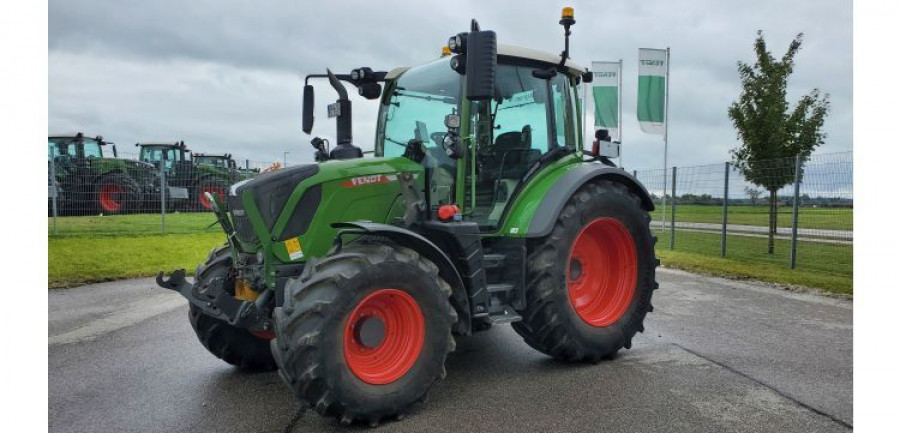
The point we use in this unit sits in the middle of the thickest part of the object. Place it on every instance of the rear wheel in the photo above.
(236, 346)
(590, 281)
(363, 334)
(116, 194)
(214, 187)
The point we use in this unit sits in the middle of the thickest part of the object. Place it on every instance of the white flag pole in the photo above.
(666, 140)
(621, 164)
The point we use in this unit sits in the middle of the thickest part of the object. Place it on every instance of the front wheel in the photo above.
(590, 281)
(363, 334)
(237, 346)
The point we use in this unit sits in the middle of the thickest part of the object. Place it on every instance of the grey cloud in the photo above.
(226, 74)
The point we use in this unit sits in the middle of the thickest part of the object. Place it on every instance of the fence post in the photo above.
(162, 191)
(634, 172)
(725, 210)
(672, 234)
(54, 191)
(795, 217)
(246, 169)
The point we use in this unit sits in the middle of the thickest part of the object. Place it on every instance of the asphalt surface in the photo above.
(718, 355)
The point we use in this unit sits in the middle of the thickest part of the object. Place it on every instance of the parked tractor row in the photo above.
(90, 182)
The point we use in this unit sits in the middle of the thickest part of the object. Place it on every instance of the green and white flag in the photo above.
(606, 93)
(652, 77)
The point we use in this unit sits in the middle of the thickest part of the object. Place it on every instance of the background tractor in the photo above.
(179, 171)
(214, 173)
(354, 276)
(89, 183)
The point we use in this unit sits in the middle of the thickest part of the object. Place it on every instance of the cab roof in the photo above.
(520, 53)
(170, 144)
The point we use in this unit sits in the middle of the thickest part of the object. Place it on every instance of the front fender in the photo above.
(412, 240)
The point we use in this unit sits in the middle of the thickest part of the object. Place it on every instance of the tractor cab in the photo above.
(76, 146)
(223, 161)
(529, 120)
(170, 155)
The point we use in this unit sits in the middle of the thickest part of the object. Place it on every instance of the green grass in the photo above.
(822, 266)
(138, 224)
(76, 260)
(810, 218)
(95, 248)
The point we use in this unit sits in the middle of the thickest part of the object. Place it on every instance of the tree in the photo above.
(753, 193)
(771, 134)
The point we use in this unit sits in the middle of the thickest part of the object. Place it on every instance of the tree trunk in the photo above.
(773, 218)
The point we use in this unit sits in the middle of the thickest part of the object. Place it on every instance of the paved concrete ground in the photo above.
(718, 355)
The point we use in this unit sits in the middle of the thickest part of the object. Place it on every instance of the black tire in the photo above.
(550, 322)
(116, 194)
(236, 346)
(310, 331)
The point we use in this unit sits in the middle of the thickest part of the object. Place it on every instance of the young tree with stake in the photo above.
(769, 129)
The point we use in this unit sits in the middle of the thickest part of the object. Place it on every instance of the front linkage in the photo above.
(232, 303)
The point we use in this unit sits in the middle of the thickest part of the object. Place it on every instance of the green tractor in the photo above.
(88, 183)
(353, 276)
(214, 174)
(179, 171)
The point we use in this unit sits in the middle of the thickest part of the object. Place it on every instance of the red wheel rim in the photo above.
(109, 197)
(601, 273)
(388, 359)
(214, 190)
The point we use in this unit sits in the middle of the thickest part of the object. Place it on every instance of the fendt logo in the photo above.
(367, 180)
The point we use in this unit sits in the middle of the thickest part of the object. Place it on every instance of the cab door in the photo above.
(527, 119)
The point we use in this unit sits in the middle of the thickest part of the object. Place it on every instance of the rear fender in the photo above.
(551, 205)
(459, 299)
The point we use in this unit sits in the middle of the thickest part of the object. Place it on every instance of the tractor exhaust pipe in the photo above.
(342, 110)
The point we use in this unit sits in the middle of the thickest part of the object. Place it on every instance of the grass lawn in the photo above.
(138, 224)
(822, 266)
(810, 218)
(75, 260)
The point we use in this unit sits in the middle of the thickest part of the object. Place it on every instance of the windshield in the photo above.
(68, 147)
(218, 161)
(154, 154)
(416, 106)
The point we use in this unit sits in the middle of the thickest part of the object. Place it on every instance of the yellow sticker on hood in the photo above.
(295, 252)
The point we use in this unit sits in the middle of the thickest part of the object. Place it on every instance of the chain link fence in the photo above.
(786, 211)
(152, 192)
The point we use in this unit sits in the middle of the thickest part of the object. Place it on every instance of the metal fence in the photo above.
(717, 210)
(710, 209)
(123, 195)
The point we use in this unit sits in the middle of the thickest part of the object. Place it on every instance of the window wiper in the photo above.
(394, 141)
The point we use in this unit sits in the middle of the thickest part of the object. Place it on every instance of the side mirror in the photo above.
(481, 64)
(308, 105)
(115, 151)
(369, 90)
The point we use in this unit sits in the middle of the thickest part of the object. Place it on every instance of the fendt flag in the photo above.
(606, 93)
(652, 77)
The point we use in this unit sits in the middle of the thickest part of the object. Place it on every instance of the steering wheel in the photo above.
(437, 138)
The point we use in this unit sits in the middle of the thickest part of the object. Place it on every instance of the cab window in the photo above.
(527, 118)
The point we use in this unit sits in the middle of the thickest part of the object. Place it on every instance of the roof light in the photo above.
(445, 51)
(568, 12)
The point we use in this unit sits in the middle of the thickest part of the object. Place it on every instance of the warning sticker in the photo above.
(293, 248)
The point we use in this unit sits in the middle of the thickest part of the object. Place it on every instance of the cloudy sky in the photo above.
(225, 75)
